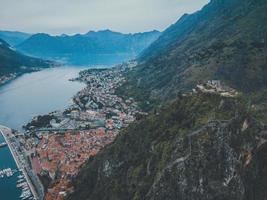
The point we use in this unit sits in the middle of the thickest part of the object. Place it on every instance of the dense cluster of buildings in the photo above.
(60, 156)
(5, 78)
(96, 105)
(58, 149)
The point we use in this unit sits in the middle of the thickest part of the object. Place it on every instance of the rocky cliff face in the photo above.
(218, 165)
(200, 147)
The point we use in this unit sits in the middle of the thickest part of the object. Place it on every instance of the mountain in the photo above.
(12, 61)
(199, 147)
(226, 40)
(102, 47)
(196, 146)
(14, 37)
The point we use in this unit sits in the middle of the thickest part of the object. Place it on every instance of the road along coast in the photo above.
(6, 133)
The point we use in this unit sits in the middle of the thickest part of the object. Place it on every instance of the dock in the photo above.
(17, 161)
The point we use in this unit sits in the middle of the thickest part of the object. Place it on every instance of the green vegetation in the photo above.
(224, 41)
(198, 146)
(13, 62)
(128, 168)
(40, 122)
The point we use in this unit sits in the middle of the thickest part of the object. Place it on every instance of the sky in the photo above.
(80, 16)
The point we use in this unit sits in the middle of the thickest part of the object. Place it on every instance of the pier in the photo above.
(15, 155)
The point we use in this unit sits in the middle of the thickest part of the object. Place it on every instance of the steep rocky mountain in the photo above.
(225, 40)
(197, 146)
(12, 61)
(102, 47)
(14, 37)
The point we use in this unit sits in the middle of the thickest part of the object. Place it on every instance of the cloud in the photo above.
(69, 16)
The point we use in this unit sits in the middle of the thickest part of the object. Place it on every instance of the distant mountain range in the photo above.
(102, 47)
(14, 37)
(12, 61)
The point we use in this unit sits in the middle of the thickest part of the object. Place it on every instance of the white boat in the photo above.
(21, 184)
(3, 144)
(25, 189)
(25, 194)
(6, 172)
(20, 180)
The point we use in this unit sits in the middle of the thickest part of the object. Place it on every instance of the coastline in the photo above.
(19, 74)
(120, 118)
(19, 165)
(10, 80)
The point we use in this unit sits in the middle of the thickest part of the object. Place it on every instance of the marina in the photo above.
(8, 189)
(23, 183)
(7, 172)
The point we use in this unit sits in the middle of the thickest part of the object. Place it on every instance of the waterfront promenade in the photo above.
(4, 131)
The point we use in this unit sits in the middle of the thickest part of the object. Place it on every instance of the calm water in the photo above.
(8, 189)
(27, 96)
(37, 93)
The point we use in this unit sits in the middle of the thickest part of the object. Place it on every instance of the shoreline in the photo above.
(10, 80)
(19, 165)
(106, 112)
(19, 74)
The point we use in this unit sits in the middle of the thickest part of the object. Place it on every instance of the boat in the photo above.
(20, 180)
(3, 144)
(25, 188)
(9, 172)
(25, 194)
(20, 176)
(6, 172)
(26, 197)
(22, 185)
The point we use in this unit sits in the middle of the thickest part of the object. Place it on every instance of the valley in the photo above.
(178, 114)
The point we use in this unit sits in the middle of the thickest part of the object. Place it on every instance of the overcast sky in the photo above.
(80, 16)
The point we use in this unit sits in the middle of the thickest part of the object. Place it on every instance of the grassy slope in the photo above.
(129, 168)
(222, 41)
(225, 41)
